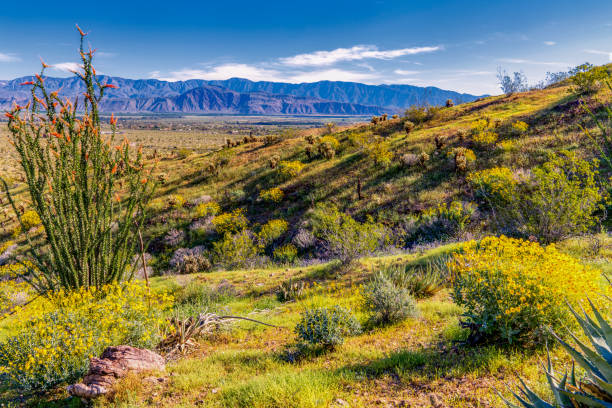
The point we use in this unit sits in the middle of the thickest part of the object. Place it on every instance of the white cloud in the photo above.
(406, 72)
(598, 52)
(550, 43)
(331, 75)
(358, 52)
(9, 57)
(531, 62)
(67, 66)
(220, 72)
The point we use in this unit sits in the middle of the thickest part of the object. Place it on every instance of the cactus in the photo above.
(595, 389)
(90, 195)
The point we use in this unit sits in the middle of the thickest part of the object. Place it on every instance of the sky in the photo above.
(456, 45)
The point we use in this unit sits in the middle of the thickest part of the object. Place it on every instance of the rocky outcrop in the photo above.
(115, 363)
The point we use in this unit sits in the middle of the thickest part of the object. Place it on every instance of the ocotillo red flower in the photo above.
(110, 86)
(80, 31)
(8, 115)
(113, 119)
(27, 83)
(114, 170)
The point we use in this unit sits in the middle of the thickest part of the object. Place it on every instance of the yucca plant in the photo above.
(421, 281)
(89, 193)
(595, 389)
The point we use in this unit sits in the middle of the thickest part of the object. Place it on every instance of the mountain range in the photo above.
(242, 96)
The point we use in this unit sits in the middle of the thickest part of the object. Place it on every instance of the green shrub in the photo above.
(207, 209)
(328, 145)
(289, 169)
(587, 79)
(422, 281)
(230, 223)
(271, 231)
(272, 195)
(286, 253)
(387, 127)
(30, 219)
(379, 152)
(345, 238)
(387, 302)
(236, 250)
(496, 186)
(326, 327)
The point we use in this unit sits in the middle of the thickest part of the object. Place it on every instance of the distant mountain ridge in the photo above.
(242, 96)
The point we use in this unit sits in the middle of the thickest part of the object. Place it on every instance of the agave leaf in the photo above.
(588, 359)
(602, 387)
(534, 399)
(595, 334)
(588, 401)
(603, 324)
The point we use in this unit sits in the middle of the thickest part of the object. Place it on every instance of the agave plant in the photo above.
(595, 389)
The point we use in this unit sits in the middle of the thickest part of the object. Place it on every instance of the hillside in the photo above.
(423, 360)
(240, 96)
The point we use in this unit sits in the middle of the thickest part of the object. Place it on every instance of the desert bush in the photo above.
(463, 158)
(326, 327)
(408, 127)
(286, 253)
(56, 341)
(289, 169)
(176, 201)
(272, 195)
(30, 219)
(310, 139)
(194, 264)
(80, 183)
(230, 223)
(519, 128)
(449, 103)
(496, 186)
(409, 159)
(182, 154)
(512, 289)
(441, 222)
(174, 237)
(422, 281)
(423, 158)
(270, 140)
(303, 239)
(420, 114)
(387, 302)
(345, 238)
(328, 145)
(273, 161)
(208, 209)
(560, 198)
(290, 290)
(379, 152)
(236, 250)
(271, 231)
(587, 79)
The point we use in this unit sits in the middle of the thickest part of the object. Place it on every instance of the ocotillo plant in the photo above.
(89, 192)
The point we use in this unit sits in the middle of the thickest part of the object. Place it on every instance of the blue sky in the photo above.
(454, 45)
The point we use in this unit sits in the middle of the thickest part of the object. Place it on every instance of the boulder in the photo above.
(5, 256)
(114, 363)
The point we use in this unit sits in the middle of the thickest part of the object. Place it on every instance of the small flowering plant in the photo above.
(512, 290)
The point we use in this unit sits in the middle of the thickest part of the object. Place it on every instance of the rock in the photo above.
(114, 363)
(7, 254)
(201, 200)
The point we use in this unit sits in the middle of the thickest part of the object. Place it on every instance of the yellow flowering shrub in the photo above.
(286, 253)
(207, 209)
(332, 141)
(379, 151)
(30, 219)
(519, 127)
(512, 289)
(176, 201)
(495, 186)
(5, 246)
(272, 195)
(230, 222)
(271, 231)
(486, 138)
(289, 169)
(54, 346)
